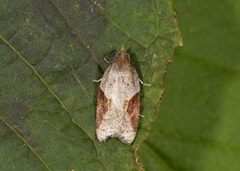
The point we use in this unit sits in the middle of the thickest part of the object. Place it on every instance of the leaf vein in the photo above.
(50, 90)
(81, 85)
(101, 9)
(26, 142)
(84, 44)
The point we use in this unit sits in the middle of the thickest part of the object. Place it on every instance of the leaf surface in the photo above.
(198, 123)
(50, 52)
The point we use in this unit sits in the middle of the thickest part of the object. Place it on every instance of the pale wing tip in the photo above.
(125, 137)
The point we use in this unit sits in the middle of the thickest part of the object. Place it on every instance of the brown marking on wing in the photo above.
(102, 107)
(133, 109)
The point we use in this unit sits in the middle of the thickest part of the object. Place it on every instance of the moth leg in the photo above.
(97, 80)
(145, 84)
(107, 61)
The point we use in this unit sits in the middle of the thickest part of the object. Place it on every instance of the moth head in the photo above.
(122, 56)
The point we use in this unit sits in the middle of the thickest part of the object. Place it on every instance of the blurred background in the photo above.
(199, 121)
(51, 50)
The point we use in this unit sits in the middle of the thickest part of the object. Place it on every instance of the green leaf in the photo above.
(50, 52)
(198, 124)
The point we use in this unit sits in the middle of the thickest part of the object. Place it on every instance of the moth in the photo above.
(118, 102)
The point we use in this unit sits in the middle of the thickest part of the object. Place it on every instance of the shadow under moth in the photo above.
(118, 102)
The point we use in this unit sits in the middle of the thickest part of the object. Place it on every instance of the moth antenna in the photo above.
(97, 80)
(145, 84)
(122, 48)
(128, 57)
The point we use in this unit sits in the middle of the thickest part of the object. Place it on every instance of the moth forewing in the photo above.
(118, 103)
